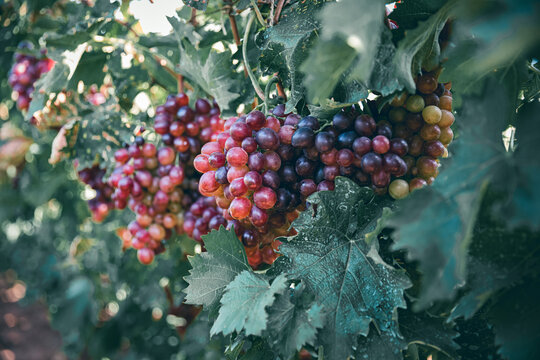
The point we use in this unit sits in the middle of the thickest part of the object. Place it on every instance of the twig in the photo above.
(279, 88)
(234, 29)
(180, 81)
(258, 12)
(252, 77)
(193, 19)
(279, 7)
(128, 27)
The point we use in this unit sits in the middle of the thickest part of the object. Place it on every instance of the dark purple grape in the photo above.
(346, 170)
(384, 128)
(303, 138)
(221, 175)
(346, 140)
(307, 187)
(185, 114)
(267, 139)
(399, 146)
(330, 172)
(362, 145)
(292, 119)
(310, 122)
(286, 152)
(393, 164)
(361, 177)
(364, 125)
(256, 120)
(271, 179)
(311, 153)
(256, 161)
(324, 141)
(283, 199)
(380, 178)
(279, 110)
(249, 238)
(371, 163)
(341, 121)
(304, 167)
(288, 174)
(168, 139)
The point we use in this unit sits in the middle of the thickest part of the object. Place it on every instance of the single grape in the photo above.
(237, 156)
(371, 163)
(426, 83)
(304, 167)
(240, 208)
(364, 125)
(256, 161)
(239, 131)
(238, 187)
(445, 103)
(434, 148)
(447, 135)
(264, 198)
(303, 138)
(272, 161)
(447, 119)
(253, 180)
(201, 163)
(216, 159)
(417, 183)
(324, 141)
(267, 139)
(380, 178)
(307, 187)
(380, 144)
(430, 132)
(345, 157)
(346, 139)
(432, 114)
(330, 157)
(397, 115)
(271, 179)
(341, 121)
(399, 146)
(330, 172)
(257, 216)
(310, 122)
(249, 145)
(415, 103)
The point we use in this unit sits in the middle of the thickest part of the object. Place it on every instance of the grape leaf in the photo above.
(214, 73)
(214, 269)
(285, 46)
(344, 272)
(293, 324)
(408, 14)
(427, 221)
(375, 346)
(197, 4)
(244, 301)
(418, 45)
(476, 339)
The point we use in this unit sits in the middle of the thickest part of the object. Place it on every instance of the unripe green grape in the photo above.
(398, 189)
(415, 103)
(397, 114)
(431, 114)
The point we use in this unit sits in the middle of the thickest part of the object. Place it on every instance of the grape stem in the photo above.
(258, 12)
(234, 28)
(247, 67)
(279, 7)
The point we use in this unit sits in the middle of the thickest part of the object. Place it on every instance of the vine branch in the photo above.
(279, 7)
(252, 77)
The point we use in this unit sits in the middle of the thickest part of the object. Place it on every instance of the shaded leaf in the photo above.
(346, 275)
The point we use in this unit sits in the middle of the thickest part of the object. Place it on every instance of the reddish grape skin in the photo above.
(239, 131)
(253, 180)
(307, 187)
(380, 178)
(399, 146)
(216, 159)
(236, 172)
(380, 144)
(345, 157)
(285, 134)
(238, 187)
(267, 139)
(303, 138)
(121, 155)
(166, 156)
(181, 144)
(371, 163)
(208, 182)
(249, 145)
(264, 198)
(434, 148)
(330, 172)
(145, 256)
(417, 183)
(324, 141)
(273, 123)
(362, 145)
(240, 208)
(256, 161)
(271, 179)
(326, 186)
(257, 216)
(211, 147)
(201, 163)
(237, 156)
(272, 160)
(255, 120)
(329, 157)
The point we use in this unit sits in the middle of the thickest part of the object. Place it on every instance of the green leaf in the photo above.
(285, 46)
(244, 301)
(214, 269)
(418, 45)
(331, 256)
(476, 339)
(408, 14)
(435, 224)
(214, 74)
(375, 346)
(293, 324)
(197, 4)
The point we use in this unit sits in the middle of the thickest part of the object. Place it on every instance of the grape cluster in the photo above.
(101, 204)
(157, 183)
(24, 73)
(395, 153)
(241, 169)
(204, 215)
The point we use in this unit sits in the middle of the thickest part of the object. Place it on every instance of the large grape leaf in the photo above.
(343, 270)
(435, 224)
(418, 46)
(476, 339)
(214, 269)
(294, 322)
(285, 46)
(244, 301)
(407, 14)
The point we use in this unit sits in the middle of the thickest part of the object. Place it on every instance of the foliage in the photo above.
(451, 271)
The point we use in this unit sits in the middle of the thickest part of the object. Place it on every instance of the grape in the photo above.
(236, 172)
(426, 84)
(330, 172)
(447, 119)
(307, 187)
(303, 138)
(324, 141)
(249, 238)
(292, 120)
(240, 208)
(397, 115)
(284, 199)
(399, 146)
(417, 183)
(249, 145)
(285, 134)
(384, 128)
(310, 122)
(221, 175)
(166, 155)
(121, 155)
(185, 114)
(181, 144)
(414, 121)
(257, 216)
(201, 163)
(329, 157)
(371, 163)
(431, 99)
(273, 123)
(434, 148)
(415, 104)
(430, 132)
(416, 144)
(432, 114)
(427, 166)
(279, 110)
(215, 160)
(208, 182)
(345, 157)
(237, 156)
(304, 167)
(346, 139)
(341, 121)
(145, 256)
(364, 125)
(239, 131)
(380, 178)
(445, 103)
(380, 144)
(288, 174)
(267, 139)
(253, 180)
(447, 135)
(238, 187)
(272, 161)
(286, 152)
(326, 186)
(271, 179)
(264, 198)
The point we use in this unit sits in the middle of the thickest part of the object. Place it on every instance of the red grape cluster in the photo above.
(241, 169)
(24, 73)
(204, 215)
(157, 183)
(101, 204)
